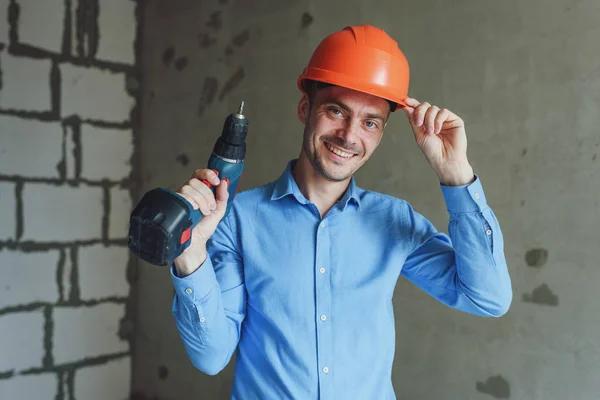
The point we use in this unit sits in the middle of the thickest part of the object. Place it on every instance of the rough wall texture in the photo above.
(524, 76)
(67, 115)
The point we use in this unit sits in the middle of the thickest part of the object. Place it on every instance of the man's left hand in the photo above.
(441, 136)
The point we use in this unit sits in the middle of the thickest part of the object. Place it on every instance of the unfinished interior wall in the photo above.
(67, 112)
(525, 78)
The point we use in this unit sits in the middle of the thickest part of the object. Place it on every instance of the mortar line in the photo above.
(31, 247)
(74, 296)
(65, 303)
(60, 270)
(19, 211)
(48, 336)
(86, 362)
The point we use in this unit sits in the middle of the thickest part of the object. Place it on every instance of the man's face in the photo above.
(342, 130)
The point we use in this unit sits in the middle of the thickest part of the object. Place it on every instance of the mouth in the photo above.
(340, 153)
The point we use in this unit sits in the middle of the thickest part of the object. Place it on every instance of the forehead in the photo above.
(355, 100)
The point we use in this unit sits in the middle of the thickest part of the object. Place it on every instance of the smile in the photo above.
(338, 152)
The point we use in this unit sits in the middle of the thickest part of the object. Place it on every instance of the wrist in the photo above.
(187, 265)
(456, 175)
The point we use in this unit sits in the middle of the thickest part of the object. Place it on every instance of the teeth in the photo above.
(338, 152)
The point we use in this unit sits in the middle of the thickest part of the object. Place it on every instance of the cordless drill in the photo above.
(160, 226)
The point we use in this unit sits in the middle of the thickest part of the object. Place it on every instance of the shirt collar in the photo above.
(286, 185)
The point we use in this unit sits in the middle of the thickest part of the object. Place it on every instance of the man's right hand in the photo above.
(213, 209)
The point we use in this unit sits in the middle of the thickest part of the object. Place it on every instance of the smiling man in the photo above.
(297, 280)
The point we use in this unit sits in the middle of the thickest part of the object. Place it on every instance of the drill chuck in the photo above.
(231, 145)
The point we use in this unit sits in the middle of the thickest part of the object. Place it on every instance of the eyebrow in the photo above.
(346, 108)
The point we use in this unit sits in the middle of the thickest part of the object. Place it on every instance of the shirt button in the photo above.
(202, 319)
(325, 370)
(323, 224)
(476, 195)
(488, 232)
(322, 270)
(188, 291)
(323, 317)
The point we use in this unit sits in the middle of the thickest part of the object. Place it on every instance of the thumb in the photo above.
(222, 195)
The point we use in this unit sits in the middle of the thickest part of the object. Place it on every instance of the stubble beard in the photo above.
(310, 148)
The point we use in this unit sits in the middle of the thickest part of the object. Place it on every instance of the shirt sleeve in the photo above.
(466, 270)
(210, 304)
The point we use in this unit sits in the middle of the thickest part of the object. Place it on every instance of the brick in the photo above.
(4, 27)
(110, 101)
(28, 277)
(120, 210)
(117, 26)
(82, 332)
(21, 340)
(41, 24)
(102, 272)
(108, 381)
(25, 84)
(8, 216)
(61, 213)
(20, 136)
(30, 387)
(105, 153)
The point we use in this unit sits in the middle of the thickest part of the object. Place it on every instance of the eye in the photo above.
(335, 111)
(371, 124)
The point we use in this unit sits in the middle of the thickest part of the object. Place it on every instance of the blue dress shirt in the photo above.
(306, 302)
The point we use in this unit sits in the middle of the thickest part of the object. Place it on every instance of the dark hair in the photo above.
(311, 87)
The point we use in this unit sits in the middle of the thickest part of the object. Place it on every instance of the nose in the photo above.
(350, 132)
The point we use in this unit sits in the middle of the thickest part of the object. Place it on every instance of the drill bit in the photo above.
(241, 110)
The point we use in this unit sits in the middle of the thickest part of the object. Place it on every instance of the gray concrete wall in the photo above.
(525, 76)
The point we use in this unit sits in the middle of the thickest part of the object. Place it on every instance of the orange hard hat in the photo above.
(363, 58)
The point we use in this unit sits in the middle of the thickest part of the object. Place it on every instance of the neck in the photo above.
(321, 192)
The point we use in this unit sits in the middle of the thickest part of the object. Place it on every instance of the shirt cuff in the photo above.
(198, 284)
(465, 198)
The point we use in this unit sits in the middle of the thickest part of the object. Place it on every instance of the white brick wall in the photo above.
(102, 272)
(116, 44)
(66, 141)
(120, 205)
(29, 387)
(27, 278)
(83, 332)
(20, 136)
(62, 213)
(100, 144)
(41, 24)
(21, 340)
(25, 83)
(8, 219)
(94, 94)
(110, 381)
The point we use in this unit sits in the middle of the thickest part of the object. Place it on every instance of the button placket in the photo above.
(323, 304)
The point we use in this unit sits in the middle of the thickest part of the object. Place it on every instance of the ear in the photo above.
(303, 109)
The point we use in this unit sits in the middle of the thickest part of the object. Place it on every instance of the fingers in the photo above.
(441, 117)
(197, 190)
(211, 176)
(411, 102)
(419, 114)
(196, 198)
(429, 119)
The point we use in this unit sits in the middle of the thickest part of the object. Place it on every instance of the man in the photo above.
(298, 278)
